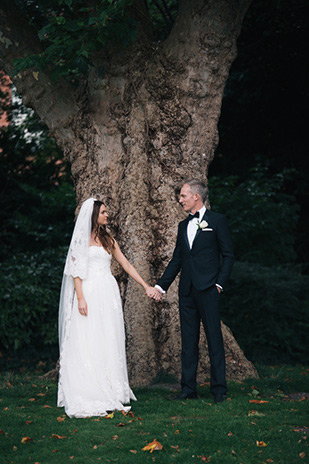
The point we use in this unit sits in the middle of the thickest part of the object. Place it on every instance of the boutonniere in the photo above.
(202, 225)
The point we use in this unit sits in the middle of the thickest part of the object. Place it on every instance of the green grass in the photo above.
(190, 432)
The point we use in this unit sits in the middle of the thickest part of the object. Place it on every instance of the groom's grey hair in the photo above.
(199, 187)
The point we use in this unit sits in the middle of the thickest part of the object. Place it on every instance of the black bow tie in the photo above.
(196, 215)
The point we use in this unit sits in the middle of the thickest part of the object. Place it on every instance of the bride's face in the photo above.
(103, 216)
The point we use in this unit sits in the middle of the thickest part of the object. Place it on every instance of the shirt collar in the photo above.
(201, 212)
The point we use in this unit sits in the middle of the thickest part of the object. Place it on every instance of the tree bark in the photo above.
(143, 120)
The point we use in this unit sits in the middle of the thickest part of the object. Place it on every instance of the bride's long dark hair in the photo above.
(101, 233)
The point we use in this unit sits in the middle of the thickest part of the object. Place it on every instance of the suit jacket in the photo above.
(200, 265)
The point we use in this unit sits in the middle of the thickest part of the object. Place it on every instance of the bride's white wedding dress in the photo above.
(93, 375)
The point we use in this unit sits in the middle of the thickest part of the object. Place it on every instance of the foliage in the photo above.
(71, 32)
(262, 216)
(264, 108)
(29, 302)
(36, 212)
(193, 432)
(36, 196)
(266, 307)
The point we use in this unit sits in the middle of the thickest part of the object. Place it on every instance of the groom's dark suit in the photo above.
(198, 295)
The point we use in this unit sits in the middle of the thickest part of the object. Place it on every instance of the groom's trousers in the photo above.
(196, 306)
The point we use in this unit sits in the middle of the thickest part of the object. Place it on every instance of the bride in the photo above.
(93, 375)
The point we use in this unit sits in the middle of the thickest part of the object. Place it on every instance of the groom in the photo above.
(202, 237)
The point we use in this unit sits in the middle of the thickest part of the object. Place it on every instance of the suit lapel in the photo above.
(204, 218)
(185, 229)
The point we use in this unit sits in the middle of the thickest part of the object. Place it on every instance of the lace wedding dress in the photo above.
(93, 375)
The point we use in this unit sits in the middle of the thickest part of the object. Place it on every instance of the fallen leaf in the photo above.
(10, 385)
(60, 419)
(302, 455)
(133, 451)
(35, 75)
(60, 437)
(233, 452)
(205, 384)
(110, 416)
(14, 448)
(71, 457)
(54, 451)
(129, 413)
(269, 460)
(31, 399)
(28, 422)
(154, 445)
(261, 443)
(175, 447)
(230, 434)
(95, 447)
(255, 413)
(40, 394)
(115, 437)
(258, 401)
(26, 439)
(1, 432)
(204, 458)
(121, 424)
(47, 406)
(176, 432)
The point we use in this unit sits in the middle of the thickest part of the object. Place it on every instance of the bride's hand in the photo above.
(82, 307)
(153, 293)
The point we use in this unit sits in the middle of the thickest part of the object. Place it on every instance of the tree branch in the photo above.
(201, 22)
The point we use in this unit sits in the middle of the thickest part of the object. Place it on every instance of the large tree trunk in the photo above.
(132, 135)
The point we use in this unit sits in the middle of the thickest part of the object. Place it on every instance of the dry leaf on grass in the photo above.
(60, 437)
(261, 443)
(205, 458)
(154, 445)
(255, 413)
(26, 439)
(258, 401)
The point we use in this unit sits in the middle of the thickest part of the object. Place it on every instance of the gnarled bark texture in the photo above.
(132, 135)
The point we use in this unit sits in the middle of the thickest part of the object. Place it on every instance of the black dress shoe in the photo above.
(219, 398)
(185, 396)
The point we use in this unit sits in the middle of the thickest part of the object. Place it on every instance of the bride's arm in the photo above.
(82, 305)
(122, 260)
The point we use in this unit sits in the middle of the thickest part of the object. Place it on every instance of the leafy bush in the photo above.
(266, 307)
(261, 215)
(30, 290)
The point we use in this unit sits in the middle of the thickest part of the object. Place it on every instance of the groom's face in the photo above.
(187, 199)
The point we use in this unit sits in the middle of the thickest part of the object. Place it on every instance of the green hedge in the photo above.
(30, 291)
(266, 307)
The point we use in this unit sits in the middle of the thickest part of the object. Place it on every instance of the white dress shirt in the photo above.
(192, 226)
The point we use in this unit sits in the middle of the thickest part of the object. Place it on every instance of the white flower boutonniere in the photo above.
(202, 225)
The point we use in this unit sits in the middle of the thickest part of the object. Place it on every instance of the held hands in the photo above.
(153, 293)
(82, 307)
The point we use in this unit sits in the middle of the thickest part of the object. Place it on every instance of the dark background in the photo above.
(258, 179)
